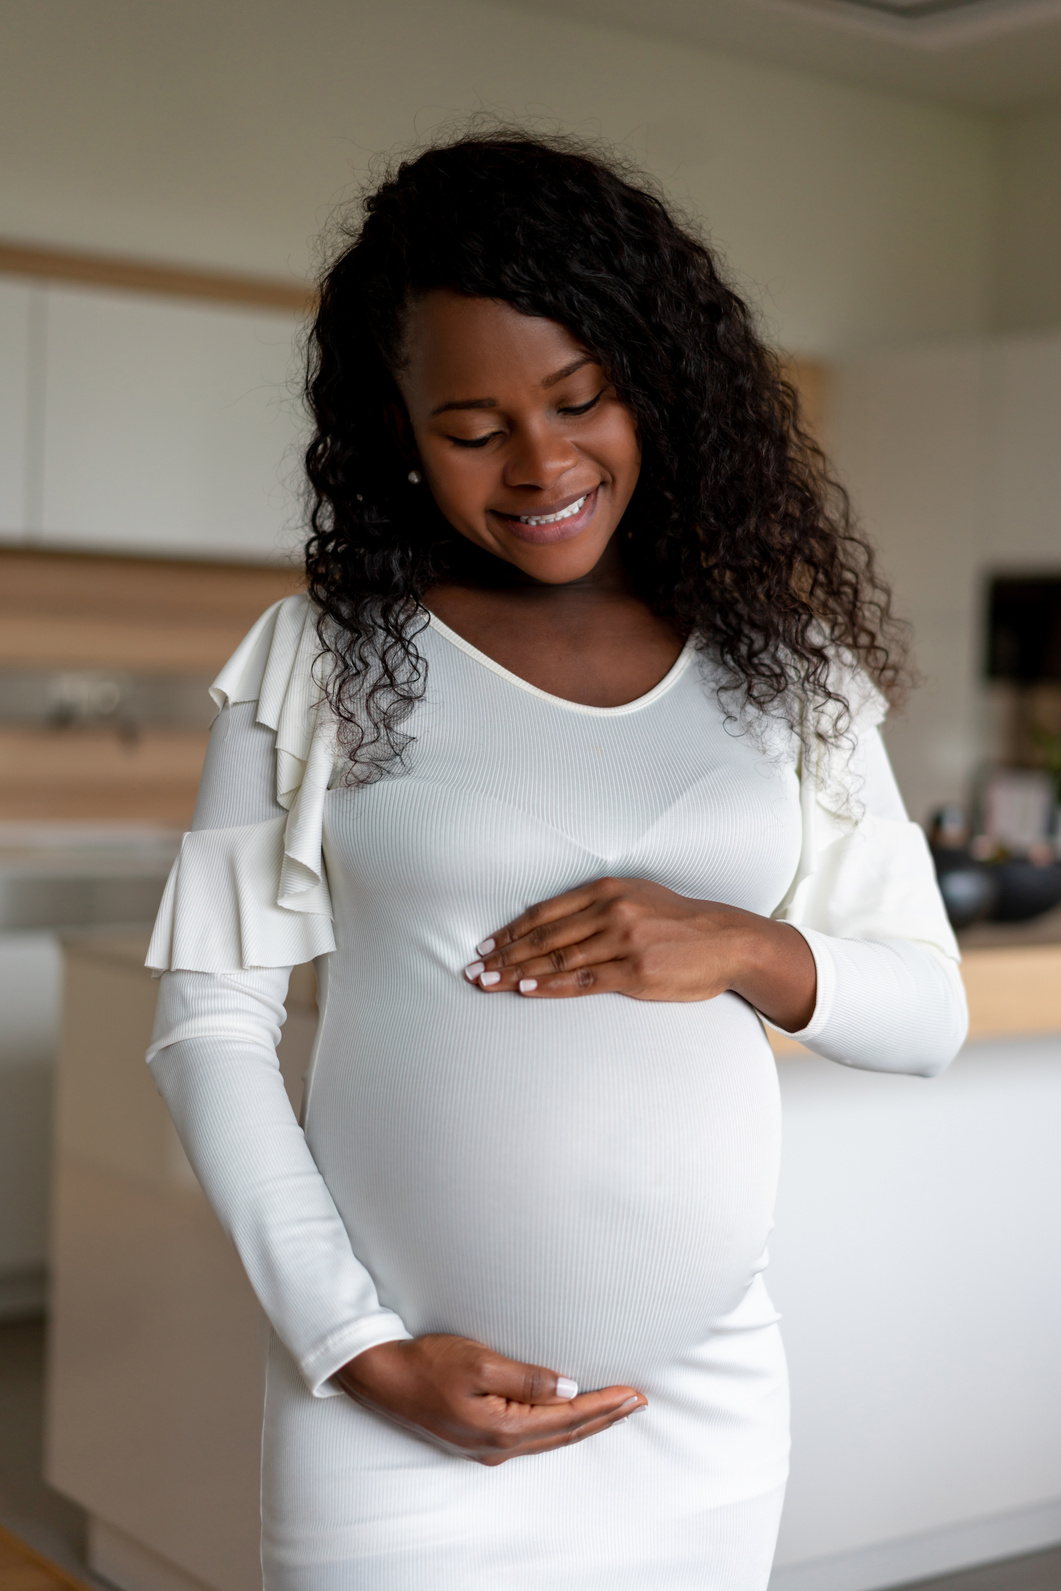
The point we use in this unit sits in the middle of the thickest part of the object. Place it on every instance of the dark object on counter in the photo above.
(948, 828)
(968, 887)
(1024, 889)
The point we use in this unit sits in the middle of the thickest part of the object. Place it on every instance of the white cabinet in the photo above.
(169, 426)
(155, 1363)
(18, 303)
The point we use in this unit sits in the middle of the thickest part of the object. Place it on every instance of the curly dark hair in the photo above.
(736, 533)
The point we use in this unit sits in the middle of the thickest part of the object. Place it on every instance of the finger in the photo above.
(515, 1424)
(542, 1428)
(522, 1383)
(592, 951)
(548, 938)
(545, 1421)
(546, 911)
(591, 1428)
(608, 977)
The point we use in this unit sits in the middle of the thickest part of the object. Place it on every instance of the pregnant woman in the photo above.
(566, 773)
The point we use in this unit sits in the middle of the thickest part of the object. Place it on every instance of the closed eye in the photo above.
(584, 408)
(475, 441)
(481, 441)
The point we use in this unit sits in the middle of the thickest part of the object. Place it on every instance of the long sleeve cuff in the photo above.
(886, 1005)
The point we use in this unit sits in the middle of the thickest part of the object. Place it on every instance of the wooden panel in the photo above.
(103, 270)
(159, 616)
(154, 616)
(1013, 990)
(91, 775)
(810, 377)
(22, 1569)
(118, 644)
(178, 590)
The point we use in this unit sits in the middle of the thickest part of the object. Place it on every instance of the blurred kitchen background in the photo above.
(884, 178)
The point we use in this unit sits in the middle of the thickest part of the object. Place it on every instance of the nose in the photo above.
(537, 457)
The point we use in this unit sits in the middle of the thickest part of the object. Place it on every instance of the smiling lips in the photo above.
(553, 519)
(560, 525)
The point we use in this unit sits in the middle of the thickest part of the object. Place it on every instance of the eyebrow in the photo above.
(491, 403)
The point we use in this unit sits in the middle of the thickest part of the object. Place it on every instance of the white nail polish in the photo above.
(527, 985)
(566, 1388)
(488, 979)
(473, 970)
(485, 948)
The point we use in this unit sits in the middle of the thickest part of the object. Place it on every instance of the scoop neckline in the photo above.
(673, 674)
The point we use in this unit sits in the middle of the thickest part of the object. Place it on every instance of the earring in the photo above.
(415, 477)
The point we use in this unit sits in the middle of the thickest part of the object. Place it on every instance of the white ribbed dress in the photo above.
(584, 1184)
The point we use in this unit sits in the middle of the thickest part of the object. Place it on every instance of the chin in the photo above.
(558, 563)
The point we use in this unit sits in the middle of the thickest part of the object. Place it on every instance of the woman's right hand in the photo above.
(477, 1403)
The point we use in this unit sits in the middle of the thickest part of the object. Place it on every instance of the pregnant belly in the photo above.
(584, 1184)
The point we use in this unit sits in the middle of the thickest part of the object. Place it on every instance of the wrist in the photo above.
(362, 1374)
(776, 972)
(747, 948)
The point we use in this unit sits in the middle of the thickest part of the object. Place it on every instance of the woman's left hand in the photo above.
(629, 936)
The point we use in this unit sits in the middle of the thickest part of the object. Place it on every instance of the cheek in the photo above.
(621, 450)
(459, 481)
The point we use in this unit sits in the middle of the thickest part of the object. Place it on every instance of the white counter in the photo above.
(915, 1263)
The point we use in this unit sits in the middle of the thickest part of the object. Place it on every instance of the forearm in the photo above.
(223, 1087)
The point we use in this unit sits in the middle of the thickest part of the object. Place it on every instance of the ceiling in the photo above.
(987, 54)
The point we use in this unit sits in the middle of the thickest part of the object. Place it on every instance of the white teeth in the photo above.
(551, 519)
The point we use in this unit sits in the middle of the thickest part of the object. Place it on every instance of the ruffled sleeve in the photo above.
(256, 895)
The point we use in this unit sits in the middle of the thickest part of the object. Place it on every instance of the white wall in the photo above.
(951, 455)
(223, 135)
(907, 434)
(1029, 230)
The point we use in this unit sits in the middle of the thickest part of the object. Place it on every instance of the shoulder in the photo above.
(278, 647)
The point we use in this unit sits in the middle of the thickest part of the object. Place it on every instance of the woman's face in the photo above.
(523, 442)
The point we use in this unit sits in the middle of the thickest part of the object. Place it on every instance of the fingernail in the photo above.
(489, 978)
(639, 1408)
(566, 1388)
(473, 970)
(526, 985)
(485, 948)
(629, 1404)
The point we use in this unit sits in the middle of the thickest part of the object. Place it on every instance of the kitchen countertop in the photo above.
(1044, 930)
